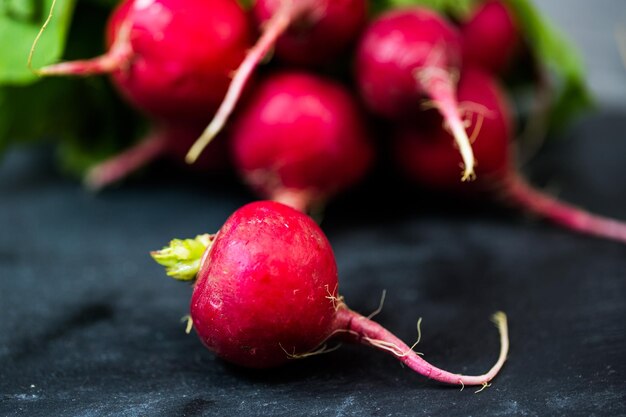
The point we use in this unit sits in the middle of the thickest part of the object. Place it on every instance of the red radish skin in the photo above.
(266, 293)
(170, 141)
(491, 37)
(303, 32)
(406, 56)
(301, 139)
(172, 59)
(427, 158)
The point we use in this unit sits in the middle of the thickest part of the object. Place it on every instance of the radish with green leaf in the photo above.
(172, 60)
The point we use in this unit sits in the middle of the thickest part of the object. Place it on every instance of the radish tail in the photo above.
(273, 28)
(121, 165)
(517, 191)
(117, 58)
(440, 88)
(360, 329)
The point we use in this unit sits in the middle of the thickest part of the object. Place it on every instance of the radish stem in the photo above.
(116, 58)
(365, 331)
(276, 26)
(119, 166)
(519, 192)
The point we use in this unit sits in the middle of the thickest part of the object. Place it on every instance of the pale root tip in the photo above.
(195, 151)
(468, 175)
(93, 180)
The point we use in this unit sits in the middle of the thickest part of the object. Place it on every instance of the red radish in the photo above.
(171, 58)
(300, 139)
(304, 32)
(266, 292)
(427, 157)
(408, 55)
(491, 37)
(168, 140)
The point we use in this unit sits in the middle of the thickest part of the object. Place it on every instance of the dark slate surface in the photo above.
(90, 325)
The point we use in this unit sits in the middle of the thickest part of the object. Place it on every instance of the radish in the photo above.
(265, 292)
(304, 32)
(300, 139)
(171, 58)
(426, 154)
(408, 55)
(491, 37)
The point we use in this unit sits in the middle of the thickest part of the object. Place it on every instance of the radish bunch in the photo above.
(300, 129)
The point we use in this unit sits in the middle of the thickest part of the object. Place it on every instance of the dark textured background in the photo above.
(90, 325)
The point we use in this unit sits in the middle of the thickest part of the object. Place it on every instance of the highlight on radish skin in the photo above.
(406, 57)
(171, 59)
(304, 32)
(300, 139)
(266, 293)
(425, 156)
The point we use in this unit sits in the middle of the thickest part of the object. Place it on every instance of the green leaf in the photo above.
(556, 54)
(455, 8)
(20, 21)
(84, 116)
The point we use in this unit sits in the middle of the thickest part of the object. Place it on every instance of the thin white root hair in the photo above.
(319, 351)
(388, 346)
(475, 108)
(485, 385)
(337, 301)
(380, 305)
(419, 334)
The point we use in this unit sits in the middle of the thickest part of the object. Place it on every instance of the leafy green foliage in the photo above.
(20, 21)
(456, 8)
(553, 51)
(84, 117)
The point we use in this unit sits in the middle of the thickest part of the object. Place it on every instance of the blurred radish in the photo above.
(172, 59)
(265, 293)
(169, 141)
(407, 56)
(304, 32)
(300, 139)
(491, 37)
(425, 152)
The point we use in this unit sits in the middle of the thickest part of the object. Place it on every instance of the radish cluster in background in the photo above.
(296, 91)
